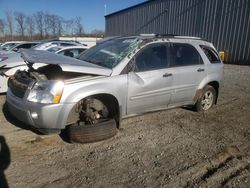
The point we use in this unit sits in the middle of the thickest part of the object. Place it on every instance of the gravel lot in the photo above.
(173, 148)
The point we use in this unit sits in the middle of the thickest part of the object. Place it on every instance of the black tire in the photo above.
(92, 133)
(199, 106)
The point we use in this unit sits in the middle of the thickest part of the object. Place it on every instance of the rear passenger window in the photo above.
(211, 54)
(68, 53)
(151, 58)
(184, 55)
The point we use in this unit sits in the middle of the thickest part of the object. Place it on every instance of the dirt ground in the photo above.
(172, 148)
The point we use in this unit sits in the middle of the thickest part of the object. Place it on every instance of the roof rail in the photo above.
(170, 36)
(166, 35)
(187, 37)
(157, 35)
(148, 35)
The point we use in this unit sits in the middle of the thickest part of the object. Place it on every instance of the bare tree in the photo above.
(78, 26)
(10, 25)
(47, 24)
(2, 26)
(41, 25)
(20, 19)
(30, 26)
(59, 25)
(53, 24)
(39, 16)
(69, 27)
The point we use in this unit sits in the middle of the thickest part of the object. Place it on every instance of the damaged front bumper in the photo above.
(44, 117)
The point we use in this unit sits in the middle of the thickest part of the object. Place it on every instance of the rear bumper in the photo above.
(39, 116)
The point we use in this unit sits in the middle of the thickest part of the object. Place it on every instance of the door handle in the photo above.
(200, 70)
(167, 74)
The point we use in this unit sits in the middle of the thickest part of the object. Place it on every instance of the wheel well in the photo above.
(109, 100)
(216, 86)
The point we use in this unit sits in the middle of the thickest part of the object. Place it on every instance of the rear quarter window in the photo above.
(211, 54)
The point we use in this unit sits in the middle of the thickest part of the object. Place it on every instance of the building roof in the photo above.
(123, 10)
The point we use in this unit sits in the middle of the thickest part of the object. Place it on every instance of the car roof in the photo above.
(157, 36)
(8, 42)
(57, 49)
(29, 42)
(164, 37)
(71, 47)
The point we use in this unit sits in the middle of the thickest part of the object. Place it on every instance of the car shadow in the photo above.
(189, 108)
(65, 136)
(10, 118)
(4, 161)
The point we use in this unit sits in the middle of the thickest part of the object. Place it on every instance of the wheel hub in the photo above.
(207, 100)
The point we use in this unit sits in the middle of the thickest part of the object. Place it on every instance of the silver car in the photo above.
(121, 77)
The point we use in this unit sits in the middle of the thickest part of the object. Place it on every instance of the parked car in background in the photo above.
(7, 45)
(121, 77)
(24, 45)
(12, 62)
(14, 48)
(56, 43)
(71, 51)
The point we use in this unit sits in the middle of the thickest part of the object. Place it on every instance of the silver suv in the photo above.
(121, 77)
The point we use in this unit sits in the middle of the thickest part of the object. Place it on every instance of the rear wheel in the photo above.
(95, 122)
(206, 99)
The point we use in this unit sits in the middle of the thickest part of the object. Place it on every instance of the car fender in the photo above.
(116, 87)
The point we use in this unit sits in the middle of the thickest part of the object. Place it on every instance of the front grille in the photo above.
(18, 85)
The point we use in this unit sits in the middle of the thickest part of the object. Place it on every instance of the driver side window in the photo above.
(152, 57)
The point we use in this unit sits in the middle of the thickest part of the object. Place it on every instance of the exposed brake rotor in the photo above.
(92, 111)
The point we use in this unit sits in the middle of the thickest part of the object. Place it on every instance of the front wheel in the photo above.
(96, 122)
(92, 133)
(206, 99)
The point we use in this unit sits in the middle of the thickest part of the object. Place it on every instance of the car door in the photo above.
(149, 84)
(188, 71)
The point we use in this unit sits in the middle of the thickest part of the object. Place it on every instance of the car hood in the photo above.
(67, 64)
(4, 53)
(12, 60)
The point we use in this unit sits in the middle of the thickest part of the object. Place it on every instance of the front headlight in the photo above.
(46, 92)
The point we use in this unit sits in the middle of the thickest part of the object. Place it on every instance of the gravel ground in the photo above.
(172, 148)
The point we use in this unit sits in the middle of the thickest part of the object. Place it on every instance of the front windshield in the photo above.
(110, 53)
(37, 45)
(7, 46)
(42, 46)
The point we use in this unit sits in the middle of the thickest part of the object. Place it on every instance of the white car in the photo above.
(9, 44)
(14, 47)
(56, 43)
(12, 62)
(71, 51)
